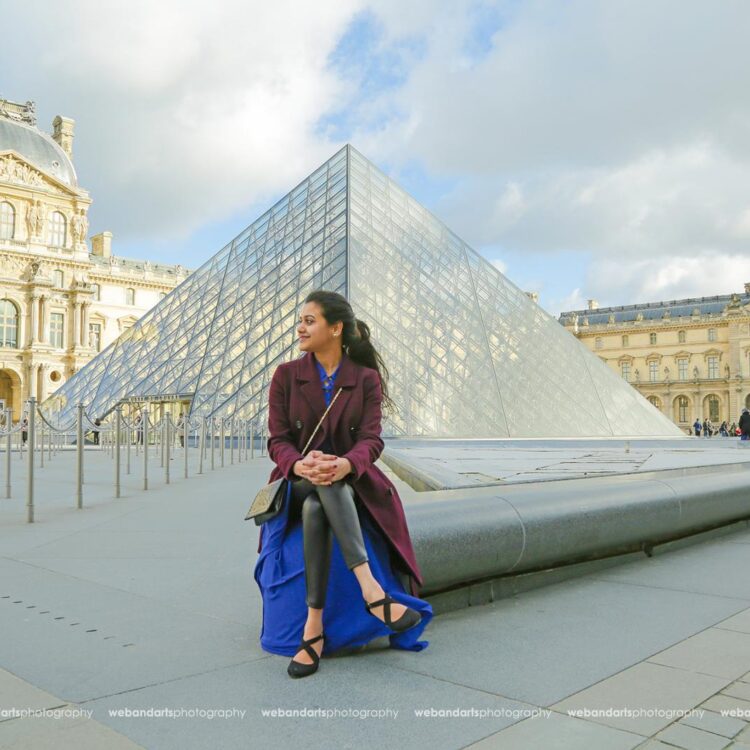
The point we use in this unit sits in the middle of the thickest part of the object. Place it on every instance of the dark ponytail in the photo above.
(356, 336)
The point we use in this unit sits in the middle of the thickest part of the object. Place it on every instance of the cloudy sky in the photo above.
(594, 149)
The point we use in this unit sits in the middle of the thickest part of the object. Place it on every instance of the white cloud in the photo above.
(676, 277)
(184, 113)
(614, 129)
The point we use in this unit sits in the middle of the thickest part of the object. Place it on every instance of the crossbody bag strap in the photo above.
(321, 420)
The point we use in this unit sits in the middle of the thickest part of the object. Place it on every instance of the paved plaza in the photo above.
(147, 603)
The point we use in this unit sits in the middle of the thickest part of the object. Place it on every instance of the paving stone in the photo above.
(644, 688)
(738, 690)
(723, 702)
(723, 653)
(691, 738)
(558, 732)
(710, 721)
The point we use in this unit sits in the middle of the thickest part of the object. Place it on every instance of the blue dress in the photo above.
(280, 575)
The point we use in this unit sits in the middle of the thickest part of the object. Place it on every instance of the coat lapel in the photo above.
(310, 385)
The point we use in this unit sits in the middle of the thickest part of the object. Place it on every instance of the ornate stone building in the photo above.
(690, 358)
(60, 302)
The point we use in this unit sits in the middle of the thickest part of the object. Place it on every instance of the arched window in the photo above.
(57, 229)
(652, 338)
(58, 278)
(8, 324)
(683, 404)
(681, 336)
(712, 402)
(96, 291)
(654, 400)
(7, 221)
(598, 343)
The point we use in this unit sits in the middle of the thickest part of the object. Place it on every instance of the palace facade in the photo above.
(690, 358)
(61, 300)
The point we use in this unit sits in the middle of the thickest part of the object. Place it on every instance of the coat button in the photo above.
(298, 424)
(390, 490)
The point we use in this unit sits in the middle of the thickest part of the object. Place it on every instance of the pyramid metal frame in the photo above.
(469, 354)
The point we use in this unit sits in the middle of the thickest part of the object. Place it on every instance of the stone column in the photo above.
(43, 316)
(34, 319)
(85, 324)
(32, 388)
(77, 324)
(43, 371)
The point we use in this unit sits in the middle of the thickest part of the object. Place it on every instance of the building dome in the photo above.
(38, 148)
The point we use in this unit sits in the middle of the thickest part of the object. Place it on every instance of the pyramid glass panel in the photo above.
(468, 353)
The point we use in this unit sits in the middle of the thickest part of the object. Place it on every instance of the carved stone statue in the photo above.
(35, 219)
(79, 225)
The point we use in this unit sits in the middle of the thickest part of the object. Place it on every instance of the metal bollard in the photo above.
(203, 442)
(213, 430)
(252, 439)
(144, 422)
(79, 457)
(231, 441)
(185, 435)
(30, 477)
(118, 423)
(222, 422)
(8, 424)
(167, 419)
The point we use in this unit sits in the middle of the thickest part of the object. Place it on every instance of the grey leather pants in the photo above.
(326, 510)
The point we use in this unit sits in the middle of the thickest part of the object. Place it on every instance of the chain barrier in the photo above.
(137, 431)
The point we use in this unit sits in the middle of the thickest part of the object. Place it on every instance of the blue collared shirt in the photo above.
(327, 382)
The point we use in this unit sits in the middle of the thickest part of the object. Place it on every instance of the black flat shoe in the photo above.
(409, 619)
(298, 669)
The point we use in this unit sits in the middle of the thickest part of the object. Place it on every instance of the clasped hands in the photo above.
(322, 468)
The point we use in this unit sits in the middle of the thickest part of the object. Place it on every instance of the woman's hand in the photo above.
(322, 468)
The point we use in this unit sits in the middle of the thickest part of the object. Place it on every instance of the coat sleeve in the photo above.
(369, 444)
(282, 448)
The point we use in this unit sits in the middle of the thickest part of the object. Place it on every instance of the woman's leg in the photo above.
(317, 543)
(338, 502)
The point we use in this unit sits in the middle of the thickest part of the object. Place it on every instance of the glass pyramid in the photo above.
(468, 353)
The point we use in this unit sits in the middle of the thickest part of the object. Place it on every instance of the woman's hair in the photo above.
(356, 335)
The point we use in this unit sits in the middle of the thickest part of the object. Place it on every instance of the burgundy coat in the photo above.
(296, 403)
